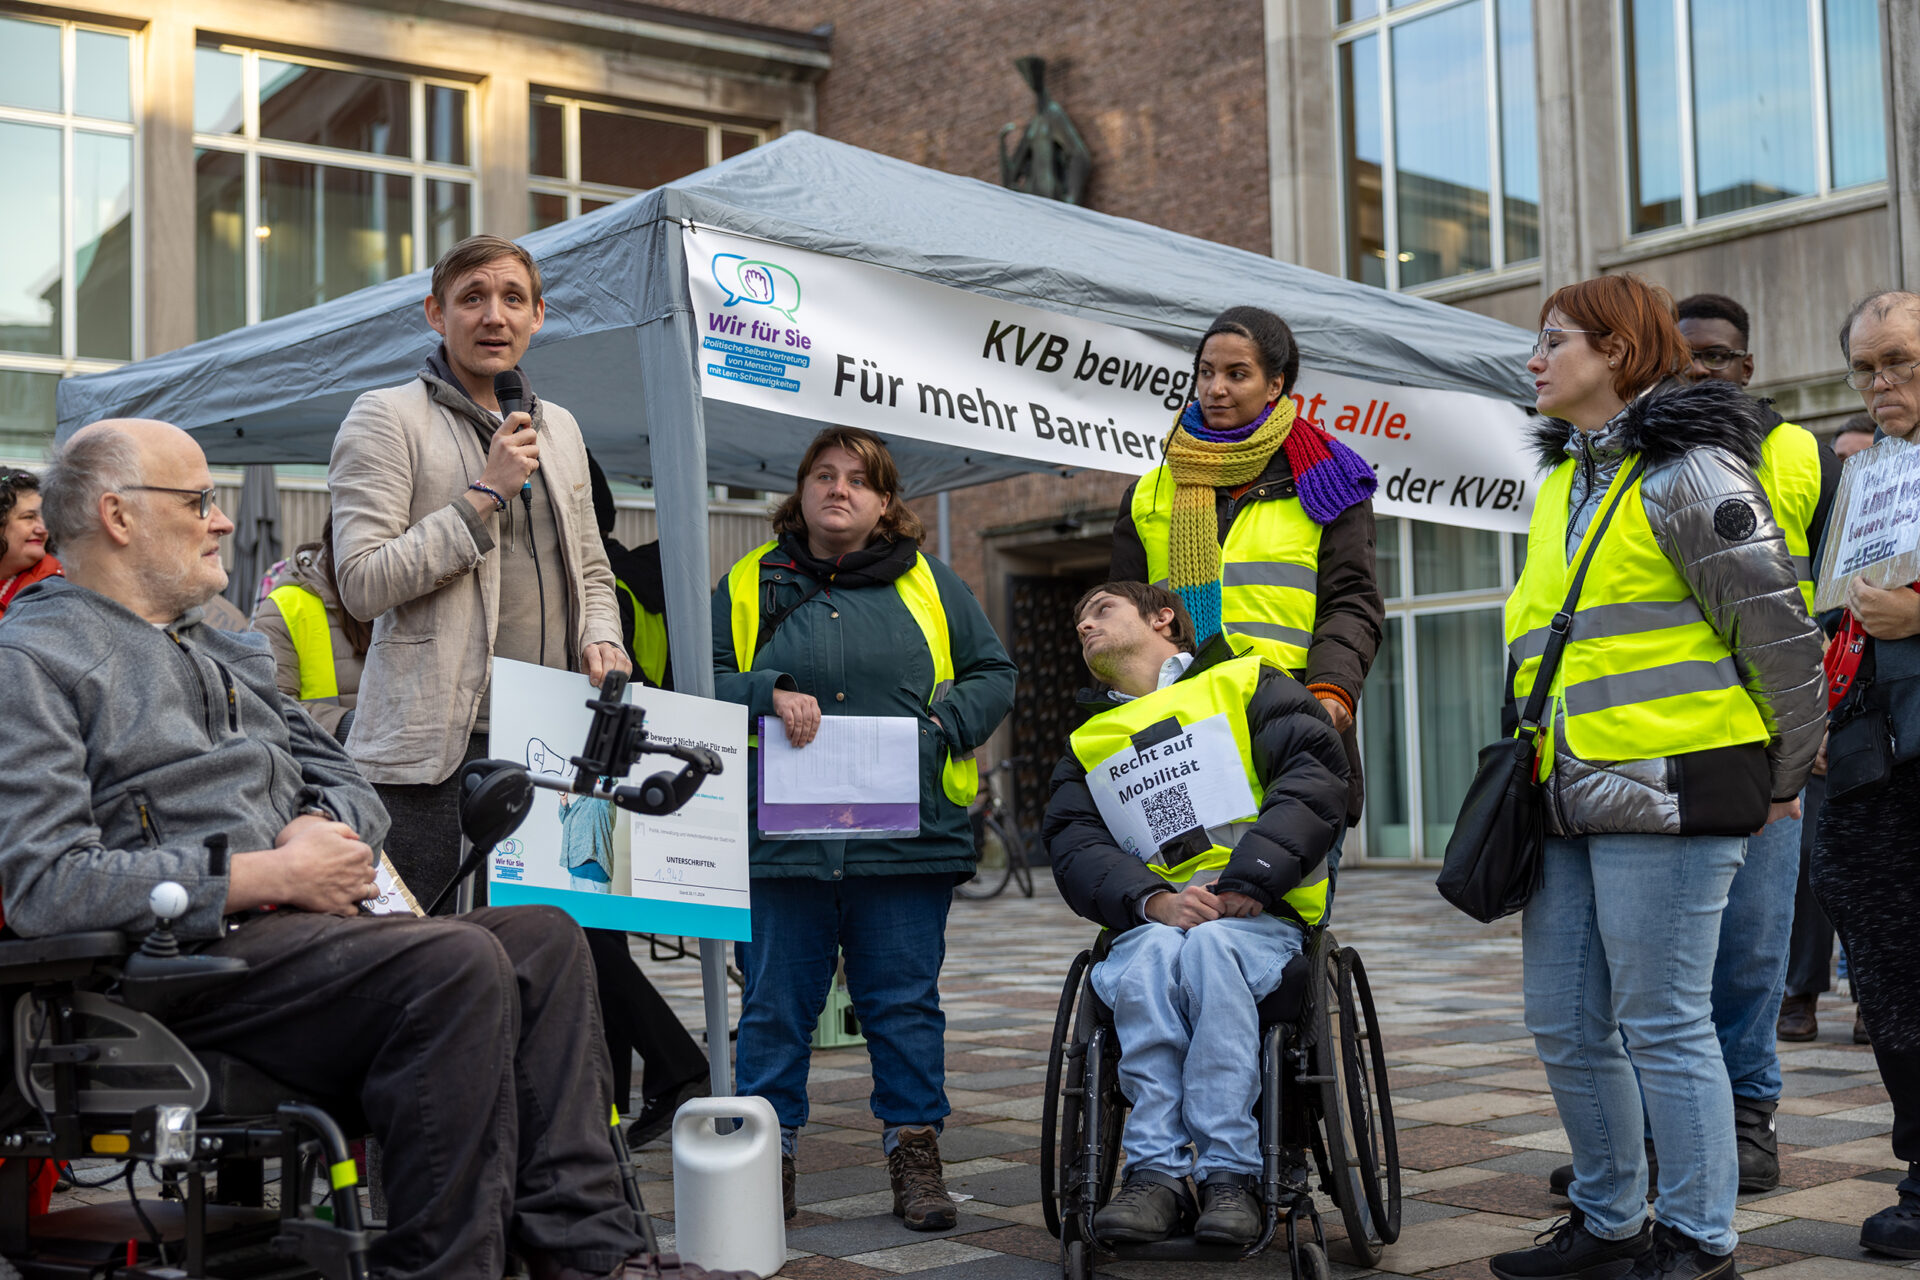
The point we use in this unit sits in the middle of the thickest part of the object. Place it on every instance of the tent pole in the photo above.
(676, 423)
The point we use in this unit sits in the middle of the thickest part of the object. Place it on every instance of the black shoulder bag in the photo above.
(1494, 856)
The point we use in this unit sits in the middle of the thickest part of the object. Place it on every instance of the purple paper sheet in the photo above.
(829, 821)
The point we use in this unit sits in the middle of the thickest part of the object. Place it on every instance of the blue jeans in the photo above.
(1618, 947)
(1750, 972)
(893, 932)
(1161, 983)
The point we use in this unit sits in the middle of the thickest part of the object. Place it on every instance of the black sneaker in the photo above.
(1672, 1256)
(656, 1113)
(1568, 1251)
(1151, 1206)
(1231, 1212)
(1895, 1231)
(1757, 1143)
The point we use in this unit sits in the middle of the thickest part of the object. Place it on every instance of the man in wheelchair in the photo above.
(1192, 816)
(134, 733)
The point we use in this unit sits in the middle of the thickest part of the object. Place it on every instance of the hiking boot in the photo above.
(1560, 1179)
(1231, 1212)
(667, 1266)
(1895, 1231)
(1568, 1251)
(1860, 1035)
(1672, 1256)
(788, 1175)
(919, 1192)
(1797, 1021)
(1150, 1206)
(1758, 1145)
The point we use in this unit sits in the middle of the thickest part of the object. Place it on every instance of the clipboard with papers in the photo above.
(858, 779)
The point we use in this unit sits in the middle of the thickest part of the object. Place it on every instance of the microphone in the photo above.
(510, 389)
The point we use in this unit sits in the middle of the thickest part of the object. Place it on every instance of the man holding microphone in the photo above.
(464, 531)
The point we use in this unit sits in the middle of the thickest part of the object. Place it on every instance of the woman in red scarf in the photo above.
(23, 538)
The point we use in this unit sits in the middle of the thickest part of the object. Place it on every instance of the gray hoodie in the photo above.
(128, 744)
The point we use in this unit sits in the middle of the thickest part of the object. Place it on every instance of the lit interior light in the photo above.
(1406, 257)
(262, 232)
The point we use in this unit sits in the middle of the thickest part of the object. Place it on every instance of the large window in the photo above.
(586, 155)
(314, 179)
(69, 268)
(1439, 152)
(1433, 697)
(1736, 104)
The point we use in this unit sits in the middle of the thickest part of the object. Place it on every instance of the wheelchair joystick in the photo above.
(168, 902)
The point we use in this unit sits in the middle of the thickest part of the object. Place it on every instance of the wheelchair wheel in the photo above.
(1369, 1105)
(1313, 1263)
(1347, 1185)
(1076, 1260)
(1052, 1100)
(1066, 1187)
(995, 863)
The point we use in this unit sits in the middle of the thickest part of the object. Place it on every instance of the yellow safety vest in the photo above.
(959, 778)
(312, 637)
(649, 636)
(1269, 567)
(1226, 687)
(1789, 471)
(1643, 675)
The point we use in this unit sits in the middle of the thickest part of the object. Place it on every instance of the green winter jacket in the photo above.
(859, 652)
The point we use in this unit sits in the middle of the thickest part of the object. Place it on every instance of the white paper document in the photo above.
(1148, 796)
(851, 760)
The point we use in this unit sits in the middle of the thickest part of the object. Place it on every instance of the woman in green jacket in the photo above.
(843, 615)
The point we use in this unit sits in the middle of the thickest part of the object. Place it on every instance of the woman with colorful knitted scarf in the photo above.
(1261, 523)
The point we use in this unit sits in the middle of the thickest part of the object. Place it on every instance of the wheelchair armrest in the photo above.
(152, 983)
(61, 957)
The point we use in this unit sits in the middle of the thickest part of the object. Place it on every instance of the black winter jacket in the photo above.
(1349, 612)
(1303, 771)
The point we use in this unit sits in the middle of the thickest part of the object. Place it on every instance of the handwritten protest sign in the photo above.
(1874, 531)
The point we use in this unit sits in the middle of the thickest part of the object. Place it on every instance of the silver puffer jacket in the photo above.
(1701, 444)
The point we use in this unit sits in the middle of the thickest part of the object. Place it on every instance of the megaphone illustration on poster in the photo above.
(745, 279)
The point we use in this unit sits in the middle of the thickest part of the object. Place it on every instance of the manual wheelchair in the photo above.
(1323, 1097)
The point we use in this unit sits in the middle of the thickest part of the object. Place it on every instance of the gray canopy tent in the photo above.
(620, 347)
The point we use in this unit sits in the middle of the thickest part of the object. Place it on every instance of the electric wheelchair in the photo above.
(1323, 1097)
(93, 1071)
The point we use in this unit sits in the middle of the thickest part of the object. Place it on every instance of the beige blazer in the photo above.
(425, 576)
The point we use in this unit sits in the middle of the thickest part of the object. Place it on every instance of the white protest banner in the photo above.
(1874, 530)
(1150, 795)
(820, 337)
(685, 873)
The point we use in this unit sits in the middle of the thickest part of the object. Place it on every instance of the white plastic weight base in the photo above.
(727, 1212)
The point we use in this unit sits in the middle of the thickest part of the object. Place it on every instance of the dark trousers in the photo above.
(1866, 870)
(1810, 948)
(423, 842)
(473, 1048)
(639, 1021)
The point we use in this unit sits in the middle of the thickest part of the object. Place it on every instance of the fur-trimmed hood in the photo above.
(1668, 422)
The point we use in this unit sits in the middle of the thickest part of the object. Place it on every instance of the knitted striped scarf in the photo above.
(1328, 477)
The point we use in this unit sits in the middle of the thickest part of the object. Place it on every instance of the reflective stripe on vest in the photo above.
(1269, 567)
(312, 637)
(1644, 675)
(1226, 687)
(1789, 471)
(959, 779)
(649, 636)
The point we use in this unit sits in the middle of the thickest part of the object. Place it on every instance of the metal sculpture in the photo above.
(1051, 159)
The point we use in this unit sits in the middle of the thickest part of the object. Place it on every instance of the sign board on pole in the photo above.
(1874, 530)
(815, 336)
(685, 873)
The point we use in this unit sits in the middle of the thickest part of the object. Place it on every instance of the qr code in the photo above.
(1169, 813)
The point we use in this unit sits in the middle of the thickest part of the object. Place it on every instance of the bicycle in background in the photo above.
(1006, 849)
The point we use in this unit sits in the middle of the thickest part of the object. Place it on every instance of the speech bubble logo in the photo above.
(745, 279)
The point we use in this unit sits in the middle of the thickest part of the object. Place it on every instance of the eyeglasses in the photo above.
(1540, 347)
(204, 495)
(1718, 357)
(1895, 374)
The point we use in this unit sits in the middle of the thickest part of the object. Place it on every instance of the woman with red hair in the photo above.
(1683, 715)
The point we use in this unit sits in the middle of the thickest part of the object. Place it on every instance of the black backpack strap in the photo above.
(771, 618)
(1563, 620)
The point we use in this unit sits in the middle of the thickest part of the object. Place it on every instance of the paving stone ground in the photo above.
(1478, 1131)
